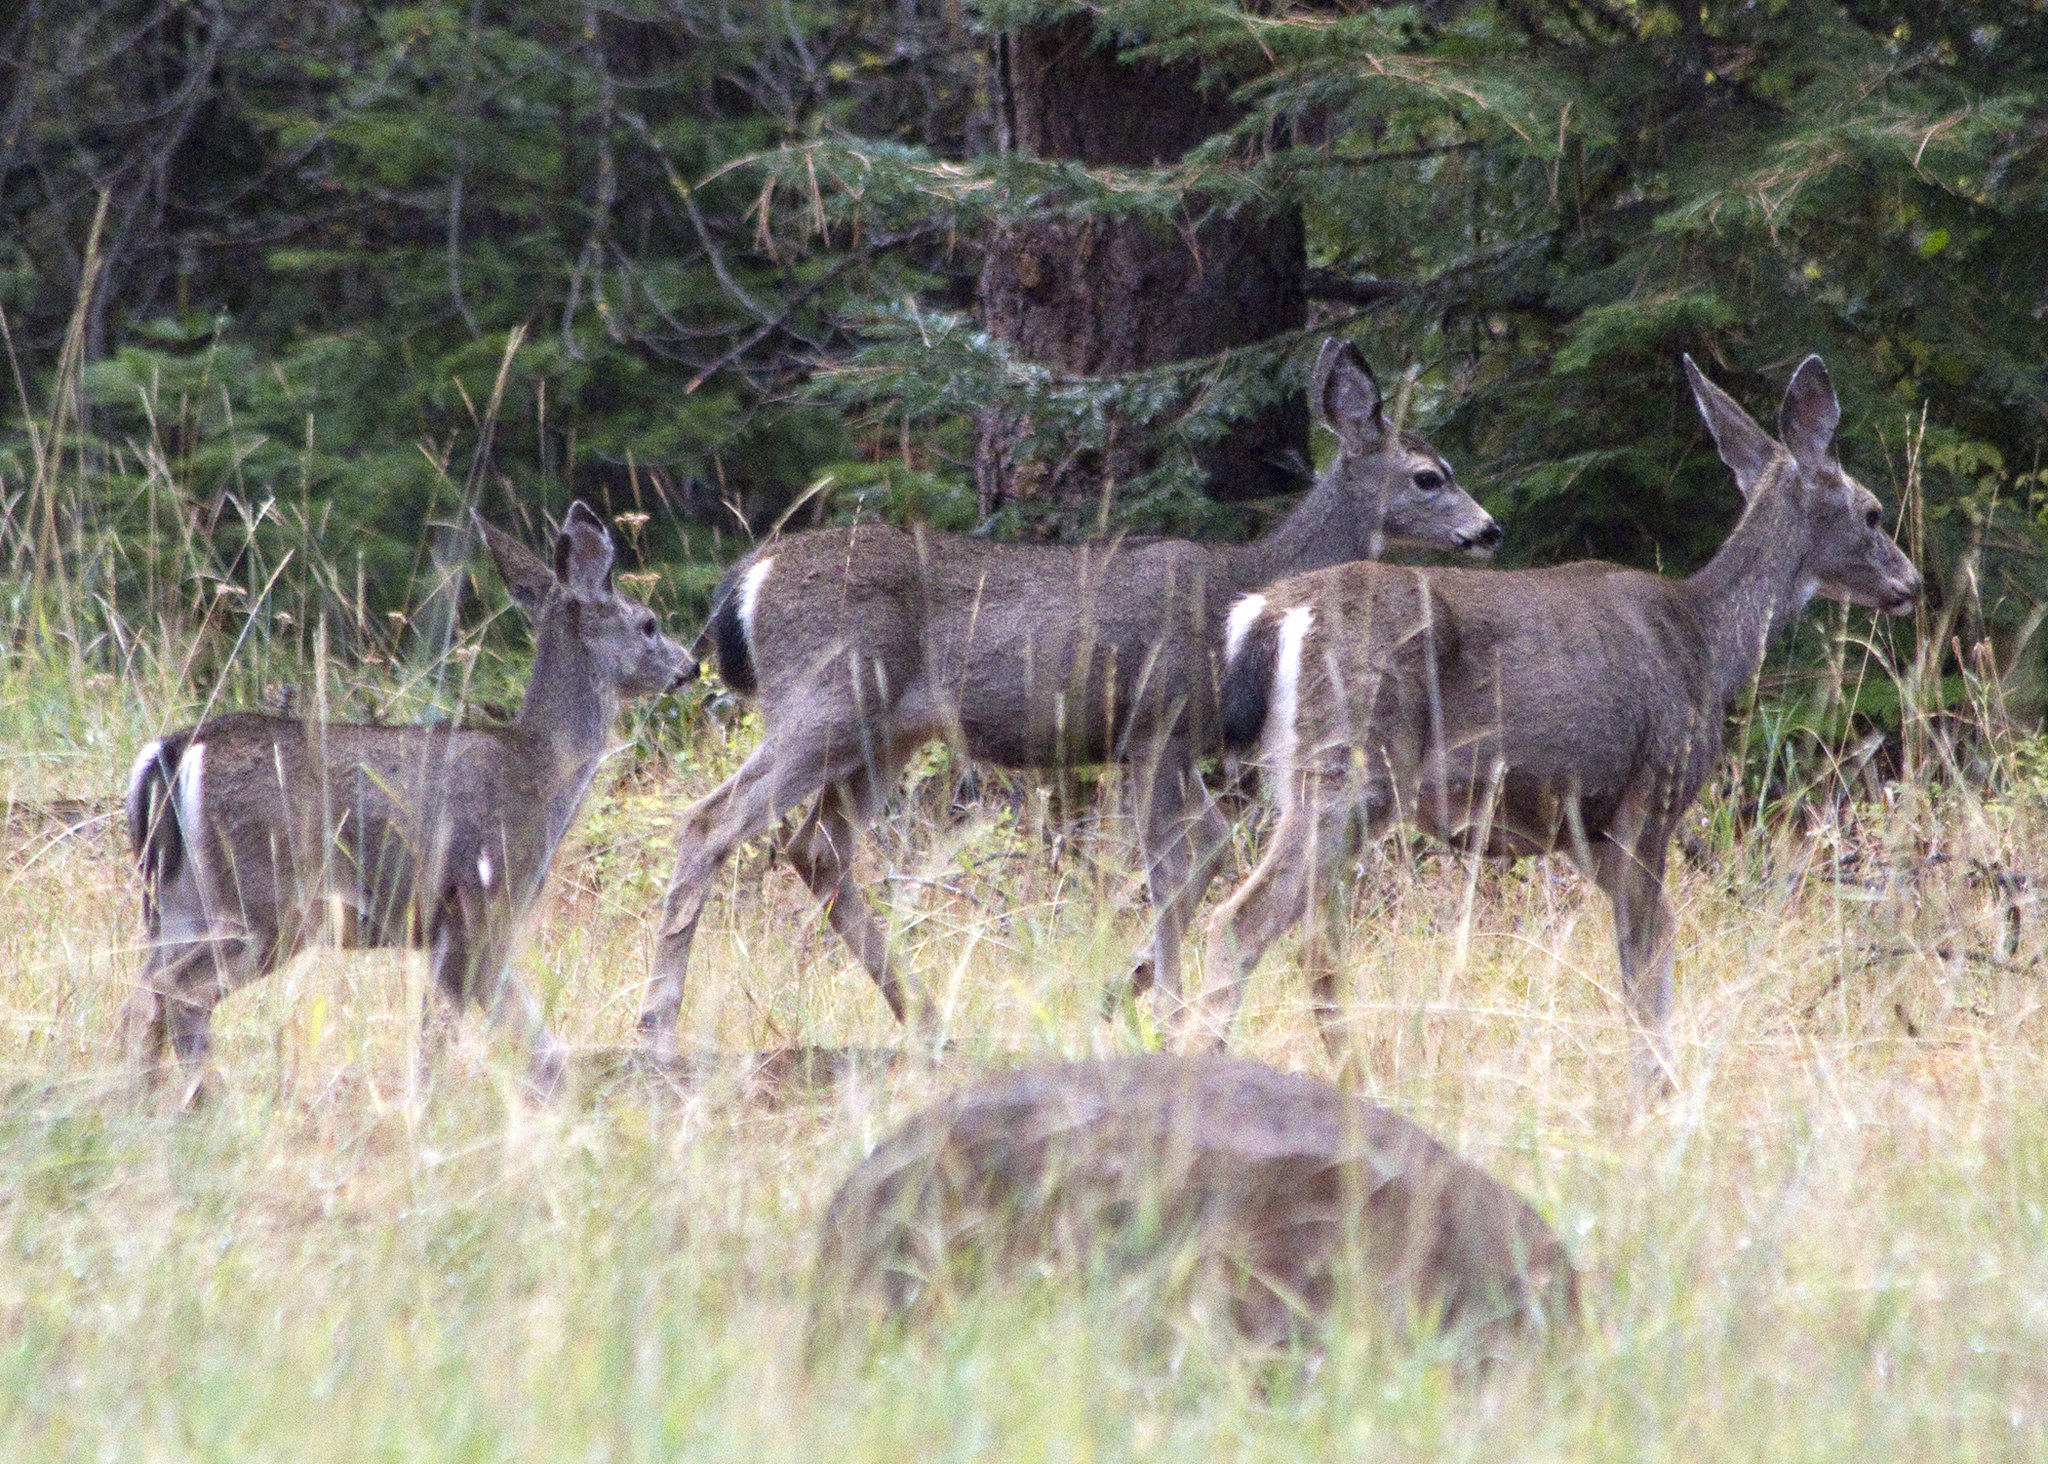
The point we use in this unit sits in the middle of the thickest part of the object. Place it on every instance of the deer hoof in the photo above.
(657, 1039)
(202, 1090)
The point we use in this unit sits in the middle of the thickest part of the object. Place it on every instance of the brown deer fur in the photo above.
(1520, 712)
(863, 644)
(1288, 1192)
(259, 835)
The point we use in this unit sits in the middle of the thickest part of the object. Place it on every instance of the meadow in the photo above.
(1832, 1242)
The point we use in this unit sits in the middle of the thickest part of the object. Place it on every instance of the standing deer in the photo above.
(257, 835)
(863, 644)
(1522, 712)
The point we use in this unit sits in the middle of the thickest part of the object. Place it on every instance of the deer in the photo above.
(258, 835)
(1525, 712)
(1287, 1194)
(862, 644)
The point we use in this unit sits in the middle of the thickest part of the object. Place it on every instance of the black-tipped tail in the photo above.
(153, 832)
(728, 633)
(1248, 685)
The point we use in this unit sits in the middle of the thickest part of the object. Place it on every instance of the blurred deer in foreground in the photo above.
(259, 835)
(1523, 712)
(863, 644)
(1287, 1195)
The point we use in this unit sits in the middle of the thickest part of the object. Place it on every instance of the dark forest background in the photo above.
(1027, 269)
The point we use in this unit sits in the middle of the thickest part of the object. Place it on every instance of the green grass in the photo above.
(1832, 1244)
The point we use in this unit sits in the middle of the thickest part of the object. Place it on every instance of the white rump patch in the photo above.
(1282, 736)
(750, 591)
(483, 868)
(1242, 614)
(188, 789)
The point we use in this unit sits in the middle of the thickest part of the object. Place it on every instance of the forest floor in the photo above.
(1831, 1243)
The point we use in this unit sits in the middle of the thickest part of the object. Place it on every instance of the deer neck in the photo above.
(1752, 588)
(1317, 534)
(565, 719)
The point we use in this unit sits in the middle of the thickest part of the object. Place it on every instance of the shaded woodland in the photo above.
(1030, 269)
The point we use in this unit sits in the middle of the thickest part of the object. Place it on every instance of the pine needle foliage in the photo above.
(740, 245)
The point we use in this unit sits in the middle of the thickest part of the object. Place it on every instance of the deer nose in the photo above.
(1482, 538)
(692, 668)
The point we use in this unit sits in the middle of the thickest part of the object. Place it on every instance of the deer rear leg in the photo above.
(822, 855)
(170, 1012)
(781, 773)
(1264, 908)
(1323, 950)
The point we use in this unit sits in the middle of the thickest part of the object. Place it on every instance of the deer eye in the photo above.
(1429, 480)
(1872, 518)
(648, 626)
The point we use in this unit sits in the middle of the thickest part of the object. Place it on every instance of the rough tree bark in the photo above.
(1103, 297)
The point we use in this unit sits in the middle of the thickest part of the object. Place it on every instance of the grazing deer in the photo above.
(1521, 712)
(863, 644)
(1286, 1193)
(257, 835)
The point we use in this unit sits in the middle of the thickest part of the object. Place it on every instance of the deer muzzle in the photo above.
(1487, 536)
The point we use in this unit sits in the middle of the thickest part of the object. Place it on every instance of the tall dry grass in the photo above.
(1831, 1244)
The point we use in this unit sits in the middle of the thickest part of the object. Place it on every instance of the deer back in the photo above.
(1038, 655)
(277, 817)
(1497, 695)
(264, 820)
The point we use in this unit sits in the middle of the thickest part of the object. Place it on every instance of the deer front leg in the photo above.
(822, 855)
(1644, 935)
(469, 957)
(781, 773)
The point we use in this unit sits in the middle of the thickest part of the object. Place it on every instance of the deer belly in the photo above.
(368, 896)
(1516, 817)
(1027, 742)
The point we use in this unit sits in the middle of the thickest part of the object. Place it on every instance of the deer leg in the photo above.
(1181, 854)
(172, 1007)
(145, 1018)
(822, 854)
(1632, 875)
(1323, 951)
(469, 955)
(1264, 908)
(781, 773)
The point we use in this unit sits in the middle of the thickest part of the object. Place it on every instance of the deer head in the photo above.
(621, 638)
(1392, 476)
(1849, 556)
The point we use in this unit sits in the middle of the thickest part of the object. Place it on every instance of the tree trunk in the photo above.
(1102, 297)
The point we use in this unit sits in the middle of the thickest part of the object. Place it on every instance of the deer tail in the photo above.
(727, 629)
(1250, 657)
(154, 832)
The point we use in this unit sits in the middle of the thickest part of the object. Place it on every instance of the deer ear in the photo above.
(1745, 447)
(1346, 397)
(526, 575)
(1808, 420)
(583, 554)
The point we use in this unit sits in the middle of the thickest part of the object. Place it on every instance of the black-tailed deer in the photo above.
(1521, 712)
(863, 644)
(1275, 1190)
(259, 835)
